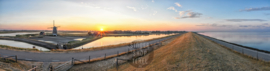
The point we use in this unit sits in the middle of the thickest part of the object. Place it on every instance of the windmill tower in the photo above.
(54, 32)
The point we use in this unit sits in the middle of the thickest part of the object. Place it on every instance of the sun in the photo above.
(101, 29)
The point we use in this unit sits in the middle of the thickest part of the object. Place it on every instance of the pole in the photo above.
(16, 58)
(257, 56)
(117, 53)
(105, 56)
(72, 61)
(117, 64)
(242, 51)
(89, 58)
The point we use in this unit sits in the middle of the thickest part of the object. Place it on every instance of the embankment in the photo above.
(196, 53)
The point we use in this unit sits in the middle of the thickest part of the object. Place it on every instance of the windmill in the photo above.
(54, 33)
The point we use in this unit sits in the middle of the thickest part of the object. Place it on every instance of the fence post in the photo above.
(128, 50)
(105, 56)
(117, 64)
(16, 58)
(50, 68)
(89, 58)
(257, 56)
(117, 53)
(242, 51)
(33, 66)
(72, 61)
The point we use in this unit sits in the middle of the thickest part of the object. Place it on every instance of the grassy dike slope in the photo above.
(191, 52)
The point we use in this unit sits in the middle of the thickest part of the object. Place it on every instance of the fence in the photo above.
(252, 52)
(139, 53)
(63, 67)
(69, 64)
(33, 68)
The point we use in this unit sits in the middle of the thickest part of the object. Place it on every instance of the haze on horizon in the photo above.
(148, 15)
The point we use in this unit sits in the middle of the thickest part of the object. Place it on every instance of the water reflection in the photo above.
(259, 40)
(21, 45)
(119, 39)
(79, 39)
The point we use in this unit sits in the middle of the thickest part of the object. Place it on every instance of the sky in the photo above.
(145, 15)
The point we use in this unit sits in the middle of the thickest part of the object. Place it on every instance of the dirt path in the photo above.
(191, 52)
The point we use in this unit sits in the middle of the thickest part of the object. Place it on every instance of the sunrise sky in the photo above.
(145, 15)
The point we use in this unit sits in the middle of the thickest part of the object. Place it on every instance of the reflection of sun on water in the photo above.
(101, 43)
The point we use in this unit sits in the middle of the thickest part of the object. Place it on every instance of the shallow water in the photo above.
(18, 33)
(79, 39)
(259, 40)
(111, 40)
(21, 45)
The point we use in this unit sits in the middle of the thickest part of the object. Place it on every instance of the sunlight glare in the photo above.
(101, 29)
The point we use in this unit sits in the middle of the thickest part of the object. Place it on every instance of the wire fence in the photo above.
(255, 53)
(67, 65)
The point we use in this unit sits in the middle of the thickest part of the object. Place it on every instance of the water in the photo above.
(21, 45)
(79, 39)
(259, 40)
(118, 40)
(18, 33)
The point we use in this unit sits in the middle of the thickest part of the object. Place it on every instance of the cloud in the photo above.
(265, 24)
(188, 14)
(153, 1)
(253, 26)
(256, 9)
(192, 15)
(240, 20)
(176, 17)
(144, 7)
(172, 8)
(155, 12)
(134, 9)
(177, 4)
(181, 13)
(209, 17)
(214, 25)
(244, 25)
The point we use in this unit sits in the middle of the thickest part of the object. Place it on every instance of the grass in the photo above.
(11, 65)
(191, 52)
(17, 48)
(27, 35)
(7, 32)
